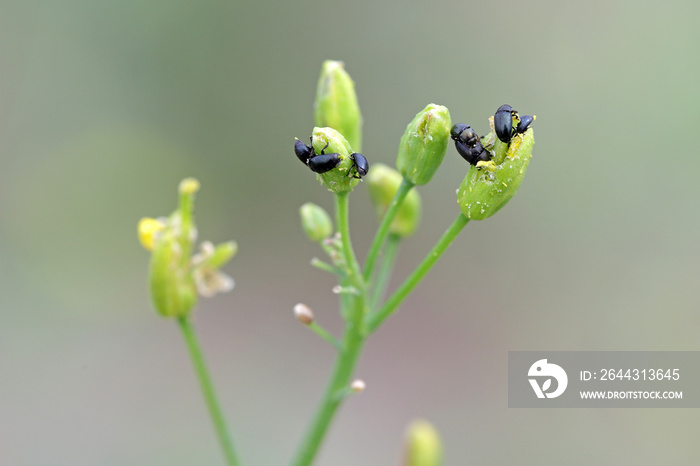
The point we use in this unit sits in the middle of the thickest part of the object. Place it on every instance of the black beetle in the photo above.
(468, 144)
(323, 162)
(360, 163)
(525, 122)
(304, 152)
(503, 122)
(464, 133)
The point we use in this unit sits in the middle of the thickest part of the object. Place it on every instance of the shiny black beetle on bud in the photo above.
(360, 163)
(318, 163)
(468, 144)
(525, 122)
(304, 151)
(503, 122)
(323, 162)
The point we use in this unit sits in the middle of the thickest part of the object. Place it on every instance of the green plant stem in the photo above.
(385, 268)
(323, 333)
(208, 391)
(353, 340)
(343, 222)
(384, 227)
(325, 266)
(376, 319)
(342, 373)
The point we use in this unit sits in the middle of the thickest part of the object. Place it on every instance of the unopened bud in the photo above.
(316, 222)
(358, 385)
(336, 103)
(189, 186)
(423, 446)
(424, 144)
(173, 290)
(223, 253)
(330, 141)
(303, 314)
(383, 182)
(338, 289)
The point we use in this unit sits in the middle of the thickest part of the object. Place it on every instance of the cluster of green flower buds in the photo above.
(176, 276)
(499, 160)
(336, 139)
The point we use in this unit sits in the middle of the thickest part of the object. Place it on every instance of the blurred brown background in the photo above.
(105, 106)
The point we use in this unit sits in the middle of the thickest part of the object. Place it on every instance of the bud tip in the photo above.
(303, 314)
(189, 186)
(358, 385)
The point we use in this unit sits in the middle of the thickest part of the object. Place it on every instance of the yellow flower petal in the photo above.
(148, 231)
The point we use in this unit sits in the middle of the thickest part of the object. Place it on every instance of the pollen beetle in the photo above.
(468, 144)
(304, 152)
(323, 162)
(503, 122)
(525, 122)
(360, 163)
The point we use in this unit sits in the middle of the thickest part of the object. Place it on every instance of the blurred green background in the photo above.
(105, 106)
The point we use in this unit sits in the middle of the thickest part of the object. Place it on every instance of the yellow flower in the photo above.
(149, 229)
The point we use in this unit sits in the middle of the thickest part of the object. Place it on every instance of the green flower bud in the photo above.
(330, 141)
(173, 290)
(383, 182)
(316, 222)
(424, 143)
(423, 446)
(336, 103)
(490, 185)
(223, 253)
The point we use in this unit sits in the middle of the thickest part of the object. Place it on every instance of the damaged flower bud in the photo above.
(489, 185)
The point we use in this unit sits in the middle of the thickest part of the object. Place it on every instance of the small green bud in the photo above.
(173, 290)
(383, 182)
(490, 185)
(303, 314)
(223, 253)
(330, 141)
(189, 186)
(423, 446)
(316, 222)
(358, 385)
(424, 144)
(336, 103)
